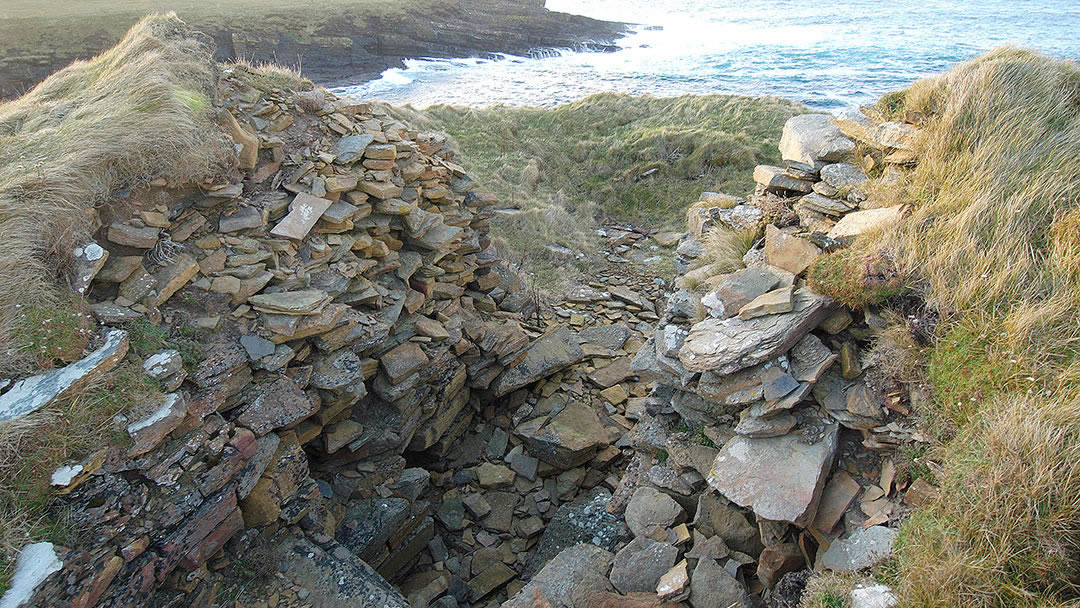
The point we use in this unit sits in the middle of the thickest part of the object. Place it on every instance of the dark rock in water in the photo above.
(584, 520)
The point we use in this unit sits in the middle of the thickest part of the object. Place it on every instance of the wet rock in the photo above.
(780, 478)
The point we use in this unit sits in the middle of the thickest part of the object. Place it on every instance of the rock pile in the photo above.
(352, 308)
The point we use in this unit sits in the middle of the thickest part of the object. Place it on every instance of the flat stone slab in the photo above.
(863, 549)
(304, 211)
(729, 345)
(780, 478)
(546, 356)
(854, 224)
(337, 578)
(31, 394)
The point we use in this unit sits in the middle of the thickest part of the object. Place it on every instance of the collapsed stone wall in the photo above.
(351, 306)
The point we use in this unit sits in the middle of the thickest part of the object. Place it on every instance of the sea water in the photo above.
(828, 55)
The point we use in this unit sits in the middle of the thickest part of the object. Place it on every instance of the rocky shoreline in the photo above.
(334, 46)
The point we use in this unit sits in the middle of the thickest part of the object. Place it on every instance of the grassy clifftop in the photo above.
(642, 159)
(993, 243)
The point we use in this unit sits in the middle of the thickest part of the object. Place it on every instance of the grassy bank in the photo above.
(641, 159)
(993, 243)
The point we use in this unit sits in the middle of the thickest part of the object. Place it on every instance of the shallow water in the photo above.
(827, 55)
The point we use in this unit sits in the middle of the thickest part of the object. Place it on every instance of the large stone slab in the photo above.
(570, 579)
(31, 394)
(546, 356)
(864, 549)
(811, 138)
(780, 478)
(729, 345)
(304, 211)
(566, 440)
(789, 252)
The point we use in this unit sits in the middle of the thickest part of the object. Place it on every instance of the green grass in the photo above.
(856, 278)
(147, 339)
(991, 243)
(566, 166)
(51, 334)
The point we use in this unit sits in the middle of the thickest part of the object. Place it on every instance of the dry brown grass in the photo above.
(992, 243)
(139, 111)
(32, 447)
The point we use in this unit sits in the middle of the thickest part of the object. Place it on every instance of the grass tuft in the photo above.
(111, 124)
(856, 278)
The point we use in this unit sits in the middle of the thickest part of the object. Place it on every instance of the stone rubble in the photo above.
(387, 414)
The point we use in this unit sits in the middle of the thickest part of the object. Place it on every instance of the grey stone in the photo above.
(584, 520)
(729, 345)
(778, 179)
(369, 524)
(865, 548)
(639, 565)
(571, 578)
(257, 347)
(566, 440)
(350, 148)
(712, 587)
(780, 478)
(843, 176)
(650, 508)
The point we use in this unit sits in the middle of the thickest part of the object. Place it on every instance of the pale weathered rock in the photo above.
(868, 220)
(90, 258)
(33, 393)
(873, 595)
(811, 138)
(674, 581)
(297, 303)
(650, 508)
(732, 344)
(151, 430)
(304, 211)
(780, 478)
(735, 290)
(174, 275)
(789, 252)
(865, 548)
(774, 302)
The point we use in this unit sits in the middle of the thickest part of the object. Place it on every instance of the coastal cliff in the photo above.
(338, 43)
